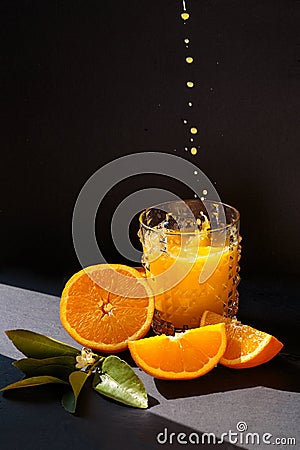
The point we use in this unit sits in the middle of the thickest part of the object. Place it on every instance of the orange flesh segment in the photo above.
(246, 346)
(183, 356)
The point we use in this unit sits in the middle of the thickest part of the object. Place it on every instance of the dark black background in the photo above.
(85, 82)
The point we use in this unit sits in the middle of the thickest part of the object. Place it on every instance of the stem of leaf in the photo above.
(96, 364)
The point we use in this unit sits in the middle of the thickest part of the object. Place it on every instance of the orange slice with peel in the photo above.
(246, 346)
(183, 356)
(105, 306)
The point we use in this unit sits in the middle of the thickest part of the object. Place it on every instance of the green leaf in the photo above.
(118, 381)
(77, 380)
(33, 381)
(59, 366)
(35, 345)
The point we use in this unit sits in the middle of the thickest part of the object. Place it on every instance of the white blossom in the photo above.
(86, 358)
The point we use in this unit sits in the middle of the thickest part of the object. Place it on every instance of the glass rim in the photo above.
(191, 233)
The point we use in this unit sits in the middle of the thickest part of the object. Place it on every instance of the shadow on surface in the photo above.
(281, 373)
(33, 281)
(37, 395)
(34, 418)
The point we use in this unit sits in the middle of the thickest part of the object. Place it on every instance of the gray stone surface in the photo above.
(265, 398)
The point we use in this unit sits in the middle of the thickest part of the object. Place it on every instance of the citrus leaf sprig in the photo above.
(51, 361)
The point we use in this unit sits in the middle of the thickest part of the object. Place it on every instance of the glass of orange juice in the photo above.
(191, 251)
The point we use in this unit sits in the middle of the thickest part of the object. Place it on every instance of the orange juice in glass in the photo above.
(191, 251)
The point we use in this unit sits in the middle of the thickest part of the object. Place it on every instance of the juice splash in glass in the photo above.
(191, 251)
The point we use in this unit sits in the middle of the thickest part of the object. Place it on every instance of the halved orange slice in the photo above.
(105, 306)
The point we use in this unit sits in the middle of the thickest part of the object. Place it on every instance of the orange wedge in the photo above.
(105, 306)
(246, 346)
(183, 356)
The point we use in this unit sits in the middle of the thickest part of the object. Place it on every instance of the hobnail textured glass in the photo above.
(180, 307)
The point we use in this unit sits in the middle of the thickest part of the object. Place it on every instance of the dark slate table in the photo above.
(265, 398)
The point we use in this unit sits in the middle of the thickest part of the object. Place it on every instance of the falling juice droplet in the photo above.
(204, 192)
(195, 195)
(195, 172)
(189, 84)
(185, 121)
(185, 16)
(202, 198)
